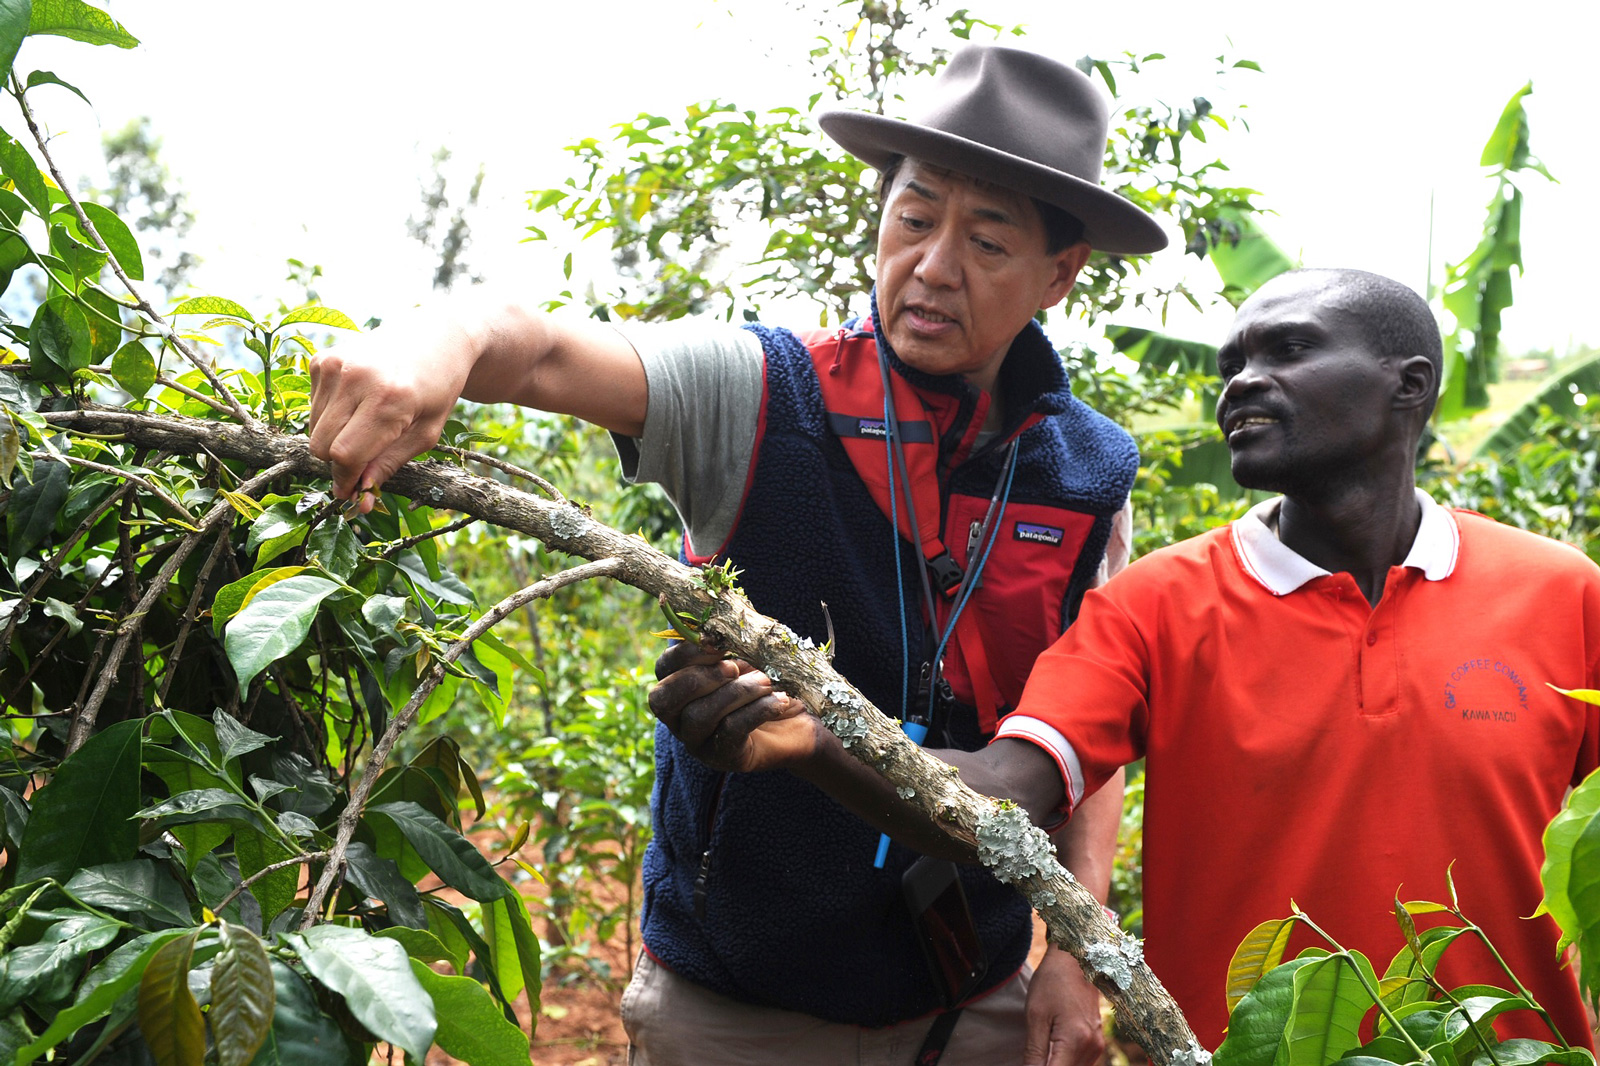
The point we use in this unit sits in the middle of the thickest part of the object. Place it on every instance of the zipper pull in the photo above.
(701, 878)
(974, 543)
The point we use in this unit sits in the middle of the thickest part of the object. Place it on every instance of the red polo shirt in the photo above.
(1304, 745)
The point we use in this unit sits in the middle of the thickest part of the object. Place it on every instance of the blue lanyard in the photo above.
(988, 534)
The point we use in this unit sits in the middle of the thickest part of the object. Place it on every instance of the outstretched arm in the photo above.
(381, 399)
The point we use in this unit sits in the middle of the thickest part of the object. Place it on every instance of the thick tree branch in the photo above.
(997, 833)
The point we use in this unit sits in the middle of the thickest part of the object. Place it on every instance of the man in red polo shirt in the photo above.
(1338, 696)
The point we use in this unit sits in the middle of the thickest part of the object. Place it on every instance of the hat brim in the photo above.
(1111, 223)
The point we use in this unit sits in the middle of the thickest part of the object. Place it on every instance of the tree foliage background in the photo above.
(221, 838)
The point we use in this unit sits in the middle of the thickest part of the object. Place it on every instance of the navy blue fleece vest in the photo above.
(794, 913)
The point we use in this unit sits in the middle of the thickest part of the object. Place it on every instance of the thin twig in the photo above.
(401, 545)
(114, 471)
(310, 856)
(190, 613)
(211, 402)
(504, 467)
(234, 407)
(334, 870)
(51, 568)
(83, 720)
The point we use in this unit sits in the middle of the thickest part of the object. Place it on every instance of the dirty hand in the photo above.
(727, 713)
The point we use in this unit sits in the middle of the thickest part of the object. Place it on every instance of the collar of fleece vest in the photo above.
(1032, 379)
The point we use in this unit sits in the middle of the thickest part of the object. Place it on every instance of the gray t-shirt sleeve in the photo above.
(705, 382)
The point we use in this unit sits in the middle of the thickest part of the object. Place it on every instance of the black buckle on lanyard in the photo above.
(947, 573)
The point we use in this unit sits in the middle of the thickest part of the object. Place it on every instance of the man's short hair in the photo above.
(1061, 230)
(1397, 322)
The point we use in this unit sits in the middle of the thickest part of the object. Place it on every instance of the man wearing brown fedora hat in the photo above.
(926, 472)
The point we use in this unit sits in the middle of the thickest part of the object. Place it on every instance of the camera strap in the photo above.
(938, 1038)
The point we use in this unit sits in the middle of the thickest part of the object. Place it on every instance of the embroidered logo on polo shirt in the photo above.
(1038, 534)
(1486, 690)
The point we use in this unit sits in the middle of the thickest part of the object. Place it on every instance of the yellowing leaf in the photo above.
(242, 503)
(168, 1015)
(1587, 695)
(321, 316)
(1260, 950)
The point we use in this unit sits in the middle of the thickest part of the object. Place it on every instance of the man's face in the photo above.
(961, 270)
(1306, 403)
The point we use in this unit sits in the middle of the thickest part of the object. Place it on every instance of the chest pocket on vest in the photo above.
(1018, 606)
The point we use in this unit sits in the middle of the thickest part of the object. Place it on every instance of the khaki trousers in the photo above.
(671, 1021)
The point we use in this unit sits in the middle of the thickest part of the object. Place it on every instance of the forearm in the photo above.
(506, 352)
(1006, 769)
(1086, 843)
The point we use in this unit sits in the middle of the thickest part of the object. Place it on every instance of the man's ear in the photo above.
(1067, 262)
(1418, 384)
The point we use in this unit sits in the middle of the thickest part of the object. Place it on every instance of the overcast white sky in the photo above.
(302, 128)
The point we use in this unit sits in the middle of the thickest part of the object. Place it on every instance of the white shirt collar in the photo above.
(1282, 570)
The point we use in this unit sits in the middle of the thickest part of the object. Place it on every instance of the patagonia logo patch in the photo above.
(1038, 534)
(871, 427)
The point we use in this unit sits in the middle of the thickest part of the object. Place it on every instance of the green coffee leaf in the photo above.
(35, 503)
(384, 611)
(447, 852)
(236, 738)
(242, 996)
(134, 368)
(18, 165)
(100, 991)
(273, 624)
(45, 969)
(419, 944)
(380, 879)
(1255, 1028)
(46, 77)
(1521, 1051)
(512, 945)
(54, 608)
(138, 887)
(13, 28)
(471, 1026)
(60, 332)
(256, 851)
(335, 548)
(1328, 1005)
(83, 259)
(1583, 890)
(232, 597)
(211, 305)
(1582, 810)
(169, 1017)
(116, 234)
(277, 529)
(80, 22)
(10, 449)
(301, 1035)
(321, 316)
(84, 815)
(104, 316)
(374, 977)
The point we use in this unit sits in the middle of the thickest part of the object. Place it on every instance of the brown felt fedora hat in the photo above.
(1019, 120)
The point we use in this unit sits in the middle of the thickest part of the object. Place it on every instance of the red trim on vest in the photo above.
(852, 387)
